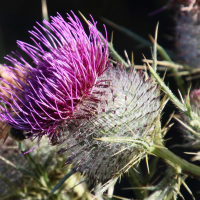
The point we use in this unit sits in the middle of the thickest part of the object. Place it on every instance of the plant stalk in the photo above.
(175, 161)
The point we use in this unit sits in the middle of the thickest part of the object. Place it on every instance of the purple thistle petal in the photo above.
(67, 64)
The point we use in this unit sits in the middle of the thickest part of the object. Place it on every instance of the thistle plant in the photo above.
(75, 96)
(100, 114)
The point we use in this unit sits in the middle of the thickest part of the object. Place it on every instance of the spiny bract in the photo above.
(127, 114)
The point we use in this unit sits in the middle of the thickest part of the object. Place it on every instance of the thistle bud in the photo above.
(169, 186)
(192, 131)
(187, 31)
(121, 129)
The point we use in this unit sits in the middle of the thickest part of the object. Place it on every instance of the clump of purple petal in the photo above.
(66, 63)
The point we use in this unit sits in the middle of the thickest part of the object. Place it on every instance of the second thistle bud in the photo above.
(192, 134)
(187, 31)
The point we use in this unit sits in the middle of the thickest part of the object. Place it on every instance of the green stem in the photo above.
(116, 56)
(176, 162)
(127, 32)
(136, 180)
(182, 106)
(178, 79)
(167, 90)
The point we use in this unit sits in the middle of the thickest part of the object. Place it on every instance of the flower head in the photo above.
(104, 116)
(191, 132)
(66, 65)
(120, 132)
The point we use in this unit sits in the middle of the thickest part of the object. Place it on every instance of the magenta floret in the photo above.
(66, 65)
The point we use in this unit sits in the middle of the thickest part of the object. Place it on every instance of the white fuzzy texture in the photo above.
(128, 108)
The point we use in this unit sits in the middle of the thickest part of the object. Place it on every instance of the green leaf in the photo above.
(33, 165)
(9, 184)
(48, 161)
(61, 182)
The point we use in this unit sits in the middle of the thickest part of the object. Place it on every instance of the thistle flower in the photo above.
(121, 130)
(63, 75)
(187, 31)
(78, 98)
